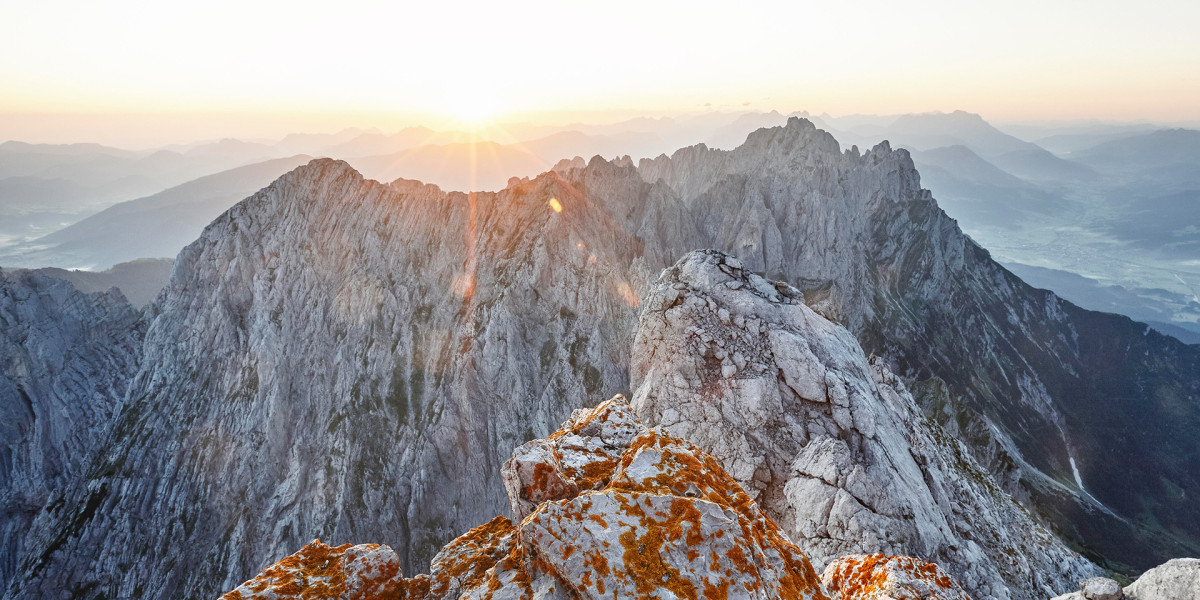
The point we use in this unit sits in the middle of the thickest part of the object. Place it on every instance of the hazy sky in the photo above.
(178, 70)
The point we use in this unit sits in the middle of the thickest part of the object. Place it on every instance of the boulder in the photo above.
(1176, 579)
(1100, 588)
(881, 577)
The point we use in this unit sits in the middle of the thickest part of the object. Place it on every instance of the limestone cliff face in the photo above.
(832, 446)
(341, 358)
(65, 358)
(337, 358)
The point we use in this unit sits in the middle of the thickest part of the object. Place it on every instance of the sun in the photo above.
(472, 109)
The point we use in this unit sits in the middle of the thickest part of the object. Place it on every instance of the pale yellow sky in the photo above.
(164, 71)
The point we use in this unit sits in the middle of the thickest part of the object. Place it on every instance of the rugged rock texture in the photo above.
(1059, 384)
(65, 359)
(832, 446)
(362, 572)
(332, 342)
(606, 509)
(881, 577)
(1176, 579)
(1100, 588)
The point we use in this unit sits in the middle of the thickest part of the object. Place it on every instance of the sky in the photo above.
(152, 72)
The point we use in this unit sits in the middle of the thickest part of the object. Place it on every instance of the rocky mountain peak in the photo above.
(831, 444)
(341, 359)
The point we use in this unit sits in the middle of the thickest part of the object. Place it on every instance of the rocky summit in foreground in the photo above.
(605, 508)
(830, 443)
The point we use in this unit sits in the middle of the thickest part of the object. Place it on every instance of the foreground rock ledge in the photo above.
(605, 508)
(1176, 579)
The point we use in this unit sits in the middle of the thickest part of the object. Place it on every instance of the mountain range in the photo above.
(1124, 229)
(341, 358)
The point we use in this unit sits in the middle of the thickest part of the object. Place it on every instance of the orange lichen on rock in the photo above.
(363, 572)
(881, 577)
(605, 508)
(673, 521)
(580, 456)
(593, 474)
(464, 563)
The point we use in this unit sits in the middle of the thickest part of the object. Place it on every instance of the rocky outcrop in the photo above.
(1176, 579)
(1100, 588)
(831, 444)
(605, 508)
(65, 360)
(362, 572)
(1057, 385)
(882, 577)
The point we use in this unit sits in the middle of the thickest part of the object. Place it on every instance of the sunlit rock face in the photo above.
(882, 577)
(341, 359)
(337, 358)
(605, 508)
(65, 359)
(832, 446)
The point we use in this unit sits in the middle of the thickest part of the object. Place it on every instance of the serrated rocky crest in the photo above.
(65, 360)
(326, 344)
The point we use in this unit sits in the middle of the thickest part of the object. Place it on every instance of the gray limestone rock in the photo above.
(1176, 579)
(1100, 588)
(832, 446)
(65, 361)
(337, 358)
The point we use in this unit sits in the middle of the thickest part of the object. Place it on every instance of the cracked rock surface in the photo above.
(1175, 579)
(831, 445)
